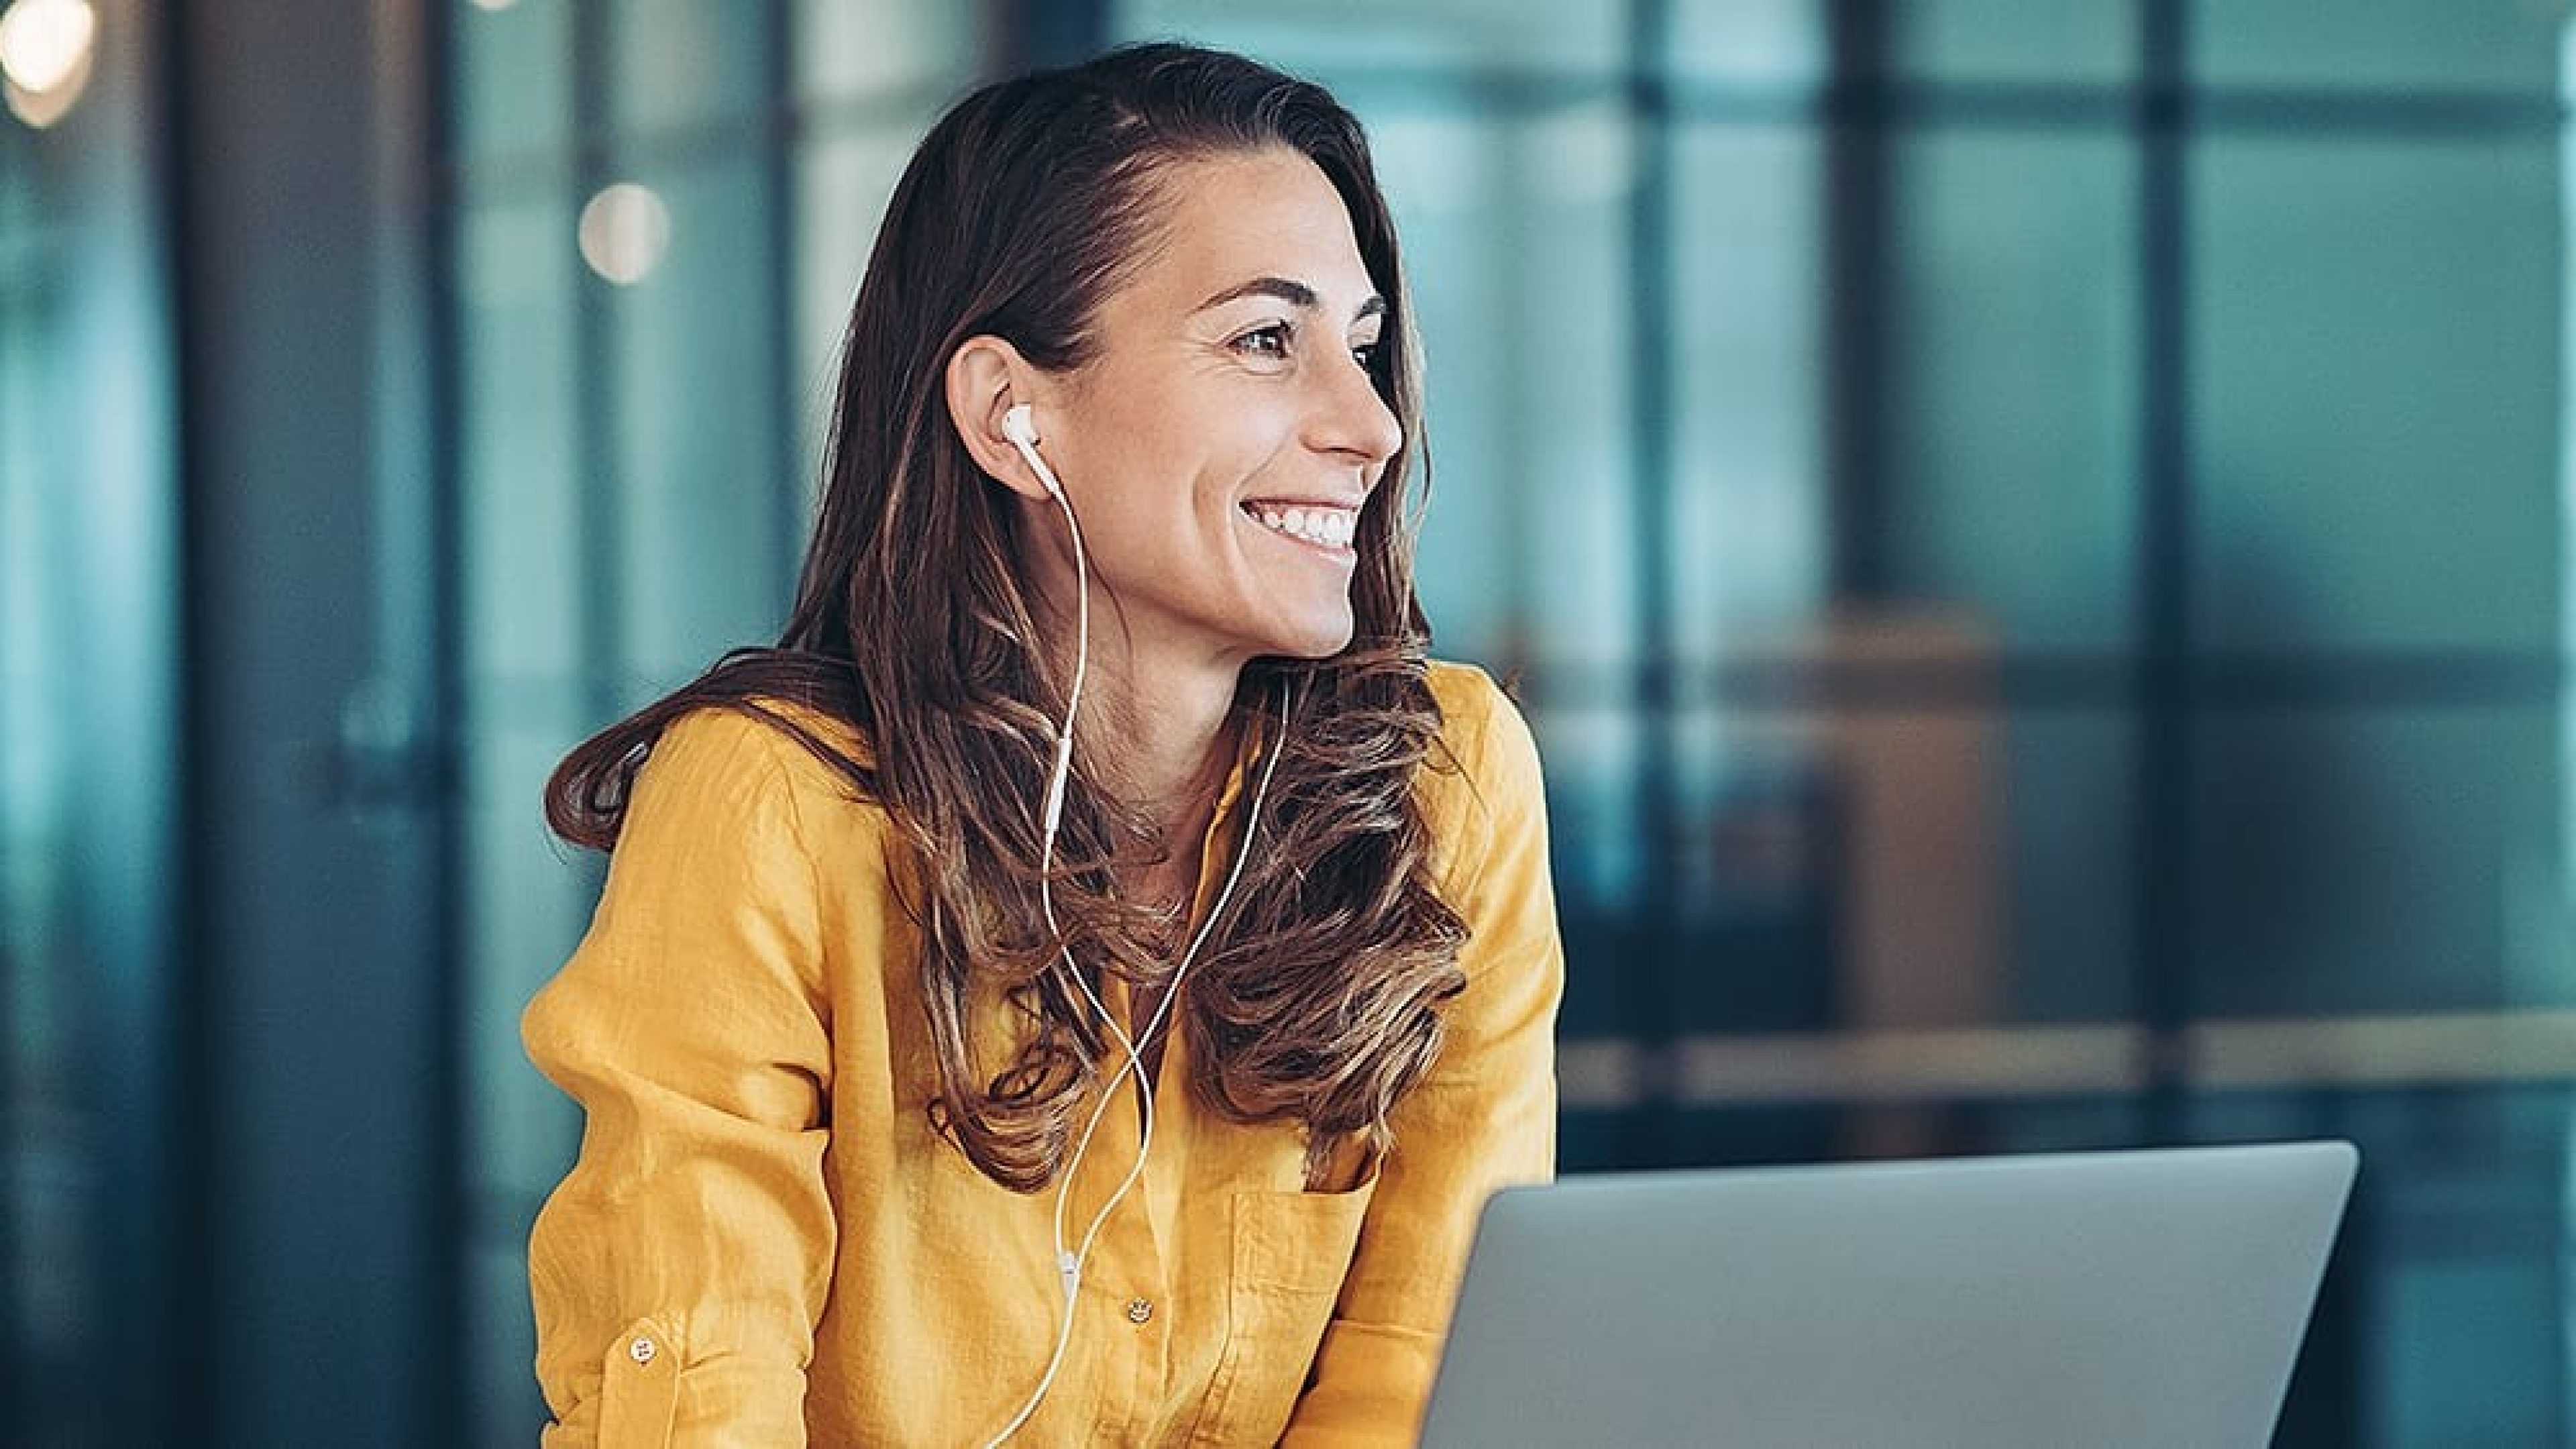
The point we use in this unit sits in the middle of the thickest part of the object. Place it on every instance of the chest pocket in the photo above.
(1291, 1252)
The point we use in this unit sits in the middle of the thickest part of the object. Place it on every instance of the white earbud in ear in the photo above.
(1020, 425)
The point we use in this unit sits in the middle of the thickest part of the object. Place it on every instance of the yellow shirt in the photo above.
(763, 1239)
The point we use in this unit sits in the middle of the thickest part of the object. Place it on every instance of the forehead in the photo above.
(1227, 219)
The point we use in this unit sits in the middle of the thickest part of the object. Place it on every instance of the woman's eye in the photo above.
(1365, 354)
(1270, 341)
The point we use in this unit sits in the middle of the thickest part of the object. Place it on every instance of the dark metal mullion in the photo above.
(17, 1346)
(184, 1397)
(1857, 263)
(2163, 905)
(2309, 113)
(1860, 352)
(601, 528)
(787, 387)
(444, 1417)
(2084, 680)
(539, 170)
(1651, 418)
(1021, 34)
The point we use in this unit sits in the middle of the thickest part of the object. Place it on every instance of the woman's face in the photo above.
(1218, 445)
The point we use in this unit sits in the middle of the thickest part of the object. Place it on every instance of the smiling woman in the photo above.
(972, 1055)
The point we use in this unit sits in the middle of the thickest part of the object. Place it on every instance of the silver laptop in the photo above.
(2152, 1298)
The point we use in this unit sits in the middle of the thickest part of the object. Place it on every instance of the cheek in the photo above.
(1165, 450)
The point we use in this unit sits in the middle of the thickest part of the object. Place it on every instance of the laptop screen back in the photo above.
(2152, 1298)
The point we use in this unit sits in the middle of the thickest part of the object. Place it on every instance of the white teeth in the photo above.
(1331, 527)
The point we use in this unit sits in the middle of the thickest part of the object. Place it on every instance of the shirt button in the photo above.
(641, 1350)
(1140, 1310)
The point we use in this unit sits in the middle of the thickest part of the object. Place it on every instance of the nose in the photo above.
(1351, 420)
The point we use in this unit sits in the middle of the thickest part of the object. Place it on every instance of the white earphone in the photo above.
(1019, 424)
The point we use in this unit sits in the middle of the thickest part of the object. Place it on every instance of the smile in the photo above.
(1322, 525)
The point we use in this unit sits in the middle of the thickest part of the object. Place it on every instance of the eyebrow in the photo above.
(1294, 293)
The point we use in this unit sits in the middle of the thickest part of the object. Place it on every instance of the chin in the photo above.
(1321, 642)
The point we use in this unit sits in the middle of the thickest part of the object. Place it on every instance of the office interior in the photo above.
(2036, 538)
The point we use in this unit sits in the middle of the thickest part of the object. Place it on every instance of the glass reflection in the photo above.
(625, 231)
(45, 51)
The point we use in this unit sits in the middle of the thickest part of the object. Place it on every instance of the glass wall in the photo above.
(89, 790)
(2033, 537)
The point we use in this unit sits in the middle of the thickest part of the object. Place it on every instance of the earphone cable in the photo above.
(1069, 1263)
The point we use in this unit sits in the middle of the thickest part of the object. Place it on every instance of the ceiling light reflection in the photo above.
(624, 232)
(45, 51)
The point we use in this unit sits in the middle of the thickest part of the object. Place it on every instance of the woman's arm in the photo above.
(679, 1268)
(1485, 1114)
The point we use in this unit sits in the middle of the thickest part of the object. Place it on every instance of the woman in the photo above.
(997, 1026)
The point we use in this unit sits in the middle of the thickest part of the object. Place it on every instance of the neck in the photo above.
(1165, 749)
(1161, 735)
(1156, 722)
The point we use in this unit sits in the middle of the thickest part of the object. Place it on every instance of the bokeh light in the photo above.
(625, 230)
(46, 48)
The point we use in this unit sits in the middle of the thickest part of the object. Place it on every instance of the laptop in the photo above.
(2147, 1298)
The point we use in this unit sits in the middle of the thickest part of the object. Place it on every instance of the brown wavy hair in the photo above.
(1317, 999)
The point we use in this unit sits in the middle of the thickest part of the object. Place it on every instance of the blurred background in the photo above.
(2036, 536)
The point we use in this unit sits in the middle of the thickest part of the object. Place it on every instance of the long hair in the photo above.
(1318, 1000)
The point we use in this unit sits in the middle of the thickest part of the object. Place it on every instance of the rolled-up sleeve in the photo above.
(680, 1267)
(1482, 1118)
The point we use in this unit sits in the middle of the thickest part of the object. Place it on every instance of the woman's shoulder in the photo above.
(1485, 749)
(761, 756)
(1468, 697)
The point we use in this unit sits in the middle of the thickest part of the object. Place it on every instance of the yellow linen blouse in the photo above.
(763, 1240)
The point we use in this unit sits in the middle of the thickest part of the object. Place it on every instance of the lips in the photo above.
(1323, 524)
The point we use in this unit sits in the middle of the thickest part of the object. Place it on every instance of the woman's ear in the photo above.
(985, 376)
